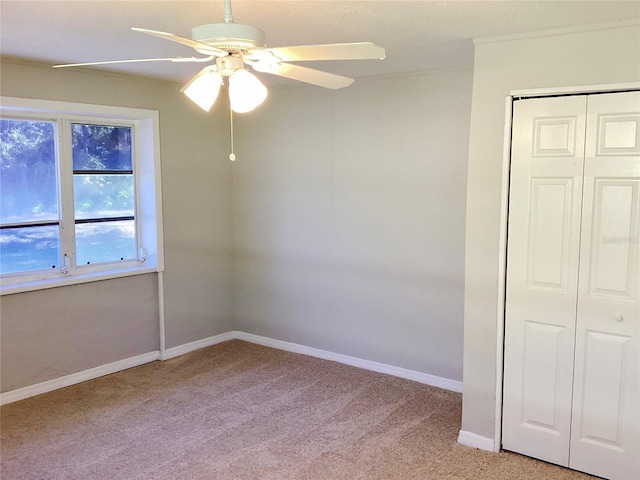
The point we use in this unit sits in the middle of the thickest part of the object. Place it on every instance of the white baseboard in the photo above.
(90, 374)
(72, 379)
(419, 377)
(474, 440)
(197, 345)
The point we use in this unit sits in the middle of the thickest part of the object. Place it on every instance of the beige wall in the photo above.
(349, 212)
(593, 57)
(107, 321)
(50, 333)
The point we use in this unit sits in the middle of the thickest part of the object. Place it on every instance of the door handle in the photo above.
(618, 318)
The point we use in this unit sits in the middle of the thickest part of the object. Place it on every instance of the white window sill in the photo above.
(9, 289)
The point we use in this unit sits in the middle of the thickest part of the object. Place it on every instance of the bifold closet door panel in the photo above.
(605, 434)
(542, 274)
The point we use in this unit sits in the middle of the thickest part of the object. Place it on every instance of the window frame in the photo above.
(147, 191)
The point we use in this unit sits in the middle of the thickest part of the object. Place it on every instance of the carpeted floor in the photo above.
(242, 411)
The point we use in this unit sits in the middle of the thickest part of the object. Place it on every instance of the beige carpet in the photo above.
(241, 411)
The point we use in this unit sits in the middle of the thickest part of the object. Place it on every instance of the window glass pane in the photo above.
(102, 196)
(28, 177)
(101, 147)
(29, 248)
(105, 242)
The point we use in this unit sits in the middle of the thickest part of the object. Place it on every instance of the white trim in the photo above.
(161, 322)
(102, 370)
(502, 270)
(198, 344)
(10, 289)
(35, 105)
(72, 379)
(419, 377)
(474, 440)
(594, 27)
(582, 90)
(90, 374)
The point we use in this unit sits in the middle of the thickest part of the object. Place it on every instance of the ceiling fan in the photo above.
(232, 46)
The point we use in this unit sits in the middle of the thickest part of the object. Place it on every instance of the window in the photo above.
(103, 193)
(29, 213)
(79, 193)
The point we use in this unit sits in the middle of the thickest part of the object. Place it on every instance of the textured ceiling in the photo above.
(418, 35)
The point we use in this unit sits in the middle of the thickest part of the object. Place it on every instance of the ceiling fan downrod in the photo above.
(228, 17)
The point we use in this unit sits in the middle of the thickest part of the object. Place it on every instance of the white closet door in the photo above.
(606, 421)
(542, 274)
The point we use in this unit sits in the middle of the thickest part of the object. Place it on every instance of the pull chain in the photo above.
(232, 156)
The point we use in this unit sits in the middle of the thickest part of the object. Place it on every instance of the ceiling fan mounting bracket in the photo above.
(232, 37)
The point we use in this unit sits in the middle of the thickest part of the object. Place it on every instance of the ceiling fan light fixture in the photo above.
(235, 45)
(246, 92)
(203, 89)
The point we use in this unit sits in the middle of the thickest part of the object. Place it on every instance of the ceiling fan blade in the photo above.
(332, 51)
(309, 75)
(199, 46)
(112, 62)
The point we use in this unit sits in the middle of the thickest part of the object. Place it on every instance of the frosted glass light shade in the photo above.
(245, 91)
(203, 89)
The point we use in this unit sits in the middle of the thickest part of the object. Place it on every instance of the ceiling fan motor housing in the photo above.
(232, 37)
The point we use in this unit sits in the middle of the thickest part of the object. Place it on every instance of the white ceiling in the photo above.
(418, 35)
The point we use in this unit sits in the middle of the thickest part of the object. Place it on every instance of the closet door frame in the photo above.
(504, 214)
